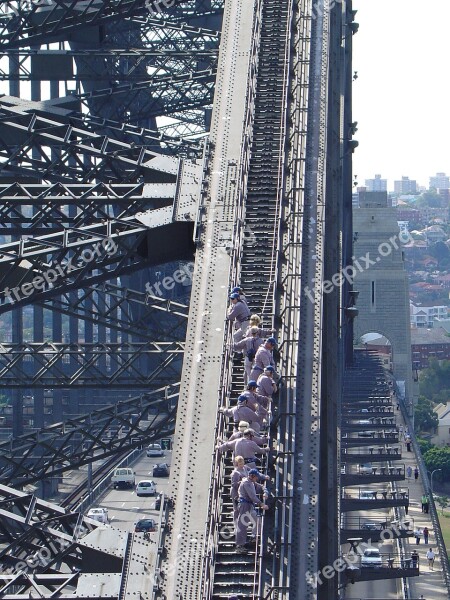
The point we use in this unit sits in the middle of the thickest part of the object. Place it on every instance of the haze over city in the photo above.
(400, 94)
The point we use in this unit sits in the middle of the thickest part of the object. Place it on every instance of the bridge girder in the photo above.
(111, 305)
(75, 442)
(119, 365)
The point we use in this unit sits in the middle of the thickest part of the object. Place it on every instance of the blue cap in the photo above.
(252, 383)
(233, 296)
(272, 340)
(236, 289)
(242, 398)
(270, 368)
(254, 472)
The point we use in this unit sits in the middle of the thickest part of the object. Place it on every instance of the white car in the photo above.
(367, 494)
(98, 514)
(146, 487)
(371, 558)
(366, 469)
(154, 450)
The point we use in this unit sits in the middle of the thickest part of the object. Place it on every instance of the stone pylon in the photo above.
(382, 282)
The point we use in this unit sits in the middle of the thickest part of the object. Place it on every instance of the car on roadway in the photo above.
(146, 487)
(367, 494)
(363, 422)
(98, 514)
(123, 478)
(366, 433)
(371, 558)
(154, 450)
(370, 526)
(366, 469)
(145, 525)
(161, 470)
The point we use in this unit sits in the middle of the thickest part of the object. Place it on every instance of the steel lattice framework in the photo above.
(90, 170)
(111, 430)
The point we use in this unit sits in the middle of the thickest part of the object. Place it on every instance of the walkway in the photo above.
(430, 584)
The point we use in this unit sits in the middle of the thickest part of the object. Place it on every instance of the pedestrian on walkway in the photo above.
(424, 501)
(430, 557)
(427, 505)
(239, 315)
(416, 473)
(409, 472)
(415, 559)
(247, 499)
(417, 535)
(426, 533)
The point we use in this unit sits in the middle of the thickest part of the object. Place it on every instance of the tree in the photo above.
(424, 445)
(425, 419)
(443, 502)
(430, 198)
(438, 458)
(435, 379)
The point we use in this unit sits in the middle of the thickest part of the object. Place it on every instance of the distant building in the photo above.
(408, 214)
(424, 315)
(442, 435)
(434, 233)
(374, 199)
(429, 343)
(377, 184)
(405, 186)
(444, 193)
(440, 181)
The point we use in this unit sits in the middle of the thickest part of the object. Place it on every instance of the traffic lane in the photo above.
(124, 507)
(385, 588)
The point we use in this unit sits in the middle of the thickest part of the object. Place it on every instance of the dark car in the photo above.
(161, 470)
(144, 525)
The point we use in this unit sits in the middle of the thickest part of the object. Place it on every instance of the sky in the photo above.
(401, 97)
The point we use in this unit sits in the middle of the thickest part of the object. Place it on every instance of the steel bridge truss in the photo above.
(112, 306)
(46, 547)
(43, 267)
(76, 442)
(27, 23)
(53, 365)
(97, 188)
(34, 146)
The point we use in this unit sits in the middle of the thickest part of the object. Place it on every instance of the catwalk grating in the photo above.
(235, 573)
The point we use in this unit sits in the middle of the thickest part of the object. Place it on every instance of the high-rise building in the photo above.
(405, 186)
(440, 181)
(377, 184)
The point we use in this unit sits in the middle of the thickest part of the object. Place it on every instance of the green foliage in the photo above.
(438, 458)
(424, 445)
(430, 199)
(434, 382)
(425, 419)
(442, 501)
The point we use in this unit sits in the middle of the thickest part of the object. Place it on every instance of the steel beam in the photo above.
(53, 365)
(27, 142)
(76, 442)
(112, 306)
(45, 266)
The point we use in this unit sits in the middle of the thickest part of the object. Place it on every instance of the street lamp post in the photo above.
(431, 478)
